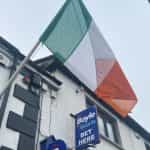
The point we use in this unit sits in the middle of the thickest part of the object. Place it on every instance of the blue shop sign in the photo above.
(86, 128)
(52, 144)
(58, 145)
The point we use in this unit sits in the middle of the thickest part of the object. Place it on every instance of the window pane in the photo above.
(1, 100)
(147, 147)
(107, 125)
(101, 125)
(110, 131)
(4, 75)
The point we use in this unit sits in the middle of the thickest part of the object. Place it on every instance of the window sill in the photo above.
(111, 142)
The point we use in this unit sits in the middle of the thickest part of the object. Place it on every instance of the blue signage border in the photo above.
(86, 128)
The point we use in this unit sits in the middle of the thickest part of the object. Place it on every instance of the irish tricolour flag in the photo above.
(75, 40)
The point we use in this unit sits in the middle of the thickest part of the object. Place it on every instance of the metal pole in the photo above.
(13, 77)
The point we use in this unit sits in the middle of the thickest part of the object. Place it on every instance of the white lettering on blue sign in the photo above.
(85, 119)
(86, 140)
(85, 133)
(86, 137)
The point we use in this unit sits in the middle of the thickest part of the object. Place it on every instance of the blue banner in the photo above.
(86, 128)
(51, 143)
(58, 145)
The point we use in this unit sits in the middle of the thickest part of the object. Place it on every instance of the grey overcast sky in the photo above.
(125, 25)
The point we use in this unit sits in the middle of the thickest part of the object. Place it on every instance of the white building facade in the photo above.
(43, 101)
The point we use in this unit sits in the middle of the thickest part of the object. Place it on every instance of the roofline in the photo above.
(38, 61)
(16, 53)
(129, 121)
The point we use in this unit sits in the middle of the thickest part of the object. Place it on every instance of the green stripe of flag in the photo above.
(67, 29)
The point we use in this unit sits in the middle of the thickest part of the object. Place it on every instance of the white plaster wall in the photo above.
(104, 145)
(67, 102)
(129, 138)
(138, 141)
(45, 114)
(9, 137)
(126, 136)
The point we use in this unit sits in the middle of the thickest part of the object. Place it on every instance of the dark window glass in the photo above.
(1, 100)
(34, 90)
(35, 84)
(107, 125)
(147, 147)
(101, 125)
(1, 57)
(111, 131)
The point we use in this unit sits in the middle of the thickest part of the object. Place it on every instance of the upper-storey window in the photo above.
(4, 60)
(1, 61)
(107, 125)
(35, 85)
(147, 147)
(4, 72)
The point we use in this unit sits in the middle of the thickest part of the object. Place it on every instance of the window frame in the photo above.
(4, 98)
(36, 90)
(107, 118)
(147, 146)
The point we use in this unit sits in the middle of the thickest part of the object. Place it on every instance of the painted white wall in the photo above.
(104, 145)
(130, 139)
(138, 141)
(45, 114)
(126, 137)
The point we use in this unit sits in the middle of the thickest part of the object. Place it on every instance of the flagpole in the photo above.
(25, 60)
